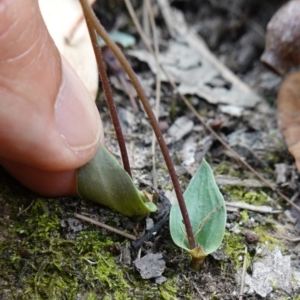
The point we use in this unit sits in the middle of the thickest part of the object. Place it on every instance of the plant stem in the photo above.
(108, 95)
(115, 49)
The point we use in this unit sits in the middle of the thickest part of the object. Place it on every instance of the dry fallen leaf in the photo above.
(60, 18)
(288, 114)
(282, 40)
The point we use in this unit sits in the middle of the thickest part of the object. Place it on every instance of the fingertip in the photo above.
(76, 115)
(45, 183)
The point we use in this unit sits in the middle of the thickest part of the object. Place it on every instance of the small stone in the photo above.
(160, 279)
(151, 265)
(74, 225)
(149, 223)
(250, 236)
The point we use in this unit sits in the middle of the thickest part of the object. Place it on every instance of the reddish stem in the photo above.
(115, 49)
(108, 96)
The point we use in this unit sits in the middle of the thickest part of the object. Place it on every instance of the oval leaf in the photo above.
(207, 212)
(104, 181)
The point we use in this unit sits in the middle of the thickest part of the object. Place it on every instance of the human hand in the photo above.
(49, 124)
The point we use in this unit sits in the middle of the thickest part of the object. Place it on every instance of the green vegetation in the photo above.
(207, 212)
(266, 239)
(38, 261)
(234, 248)
(247, 195)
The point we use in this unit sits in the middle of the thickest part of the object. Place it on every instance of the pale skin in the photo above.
(49, 124)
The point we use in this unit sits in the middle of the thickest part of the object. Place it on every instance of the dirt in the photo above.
(46, 253)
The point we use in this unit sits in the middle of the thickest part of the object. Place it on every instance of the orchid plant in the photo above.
(197, 220)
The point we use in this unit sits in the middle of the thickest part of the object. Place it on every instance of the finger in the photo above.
(47, 118)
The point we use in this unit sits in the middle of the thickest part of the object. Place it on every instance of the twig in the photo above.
(125, 85)
(138, 26)
(108, 93)
(198, 291)
(158, 87)
(263, 164)
(164, 149)
(146, 24)
(243, 275)
(295, 240)
(24, 210)
(261, 209)
(197, 115)
(227, 180)
(115, 230)
(138, 243)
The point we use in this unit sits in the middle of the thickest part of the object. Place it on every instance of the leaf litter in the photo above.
(209, 282)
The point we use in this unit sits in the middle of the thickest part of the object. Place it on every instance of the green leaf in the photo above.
(104, 181)
(124, 39)
(207, 212)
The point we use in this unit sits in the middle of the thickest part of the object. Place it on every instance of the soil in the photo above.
(46, 253)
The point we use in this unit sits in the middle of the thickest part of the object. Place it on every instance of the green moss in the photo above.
(234, 247)
(168, 290)
(244, 216)
(250, 196)
(255, 198)
(60, 268)
(168, 187)
(266, 239)
(225, 168)
(39, 261)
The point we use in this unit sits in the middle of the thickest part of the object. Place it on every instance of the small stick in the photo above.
(261, 209)
(198, 291)
(24, 210)
(115, 230)
(294, 240)
(243, 275)
(158, 87)
(126, 87)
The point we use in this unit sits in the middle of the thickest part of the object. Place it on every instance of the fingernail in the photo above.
(76, 114)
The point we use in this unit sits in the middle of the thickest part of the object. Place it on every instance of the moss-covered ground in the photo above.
(39, 261)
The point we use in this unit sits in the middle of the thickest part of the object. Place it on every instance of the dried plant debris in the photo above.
(261, 146)
(191, 64)
(194, 74)
(288, 108)
(271, 272)
(282, 40)
(150, 265)
(226, 180)
(85, 262)
(181, 127)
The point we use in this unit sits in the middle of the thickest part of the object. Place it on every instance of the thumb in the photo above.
(49, 125)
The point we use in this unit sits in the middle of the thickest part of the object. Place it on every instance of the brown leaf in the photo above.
(282, 51)
(288, 114)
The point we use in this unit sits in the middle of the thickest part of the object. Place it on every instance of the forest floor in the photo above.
(47, 253)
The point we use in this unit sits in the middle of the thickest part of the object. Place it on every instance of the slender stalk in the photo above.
(158, 85)
(115, 49)
(108, 96)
